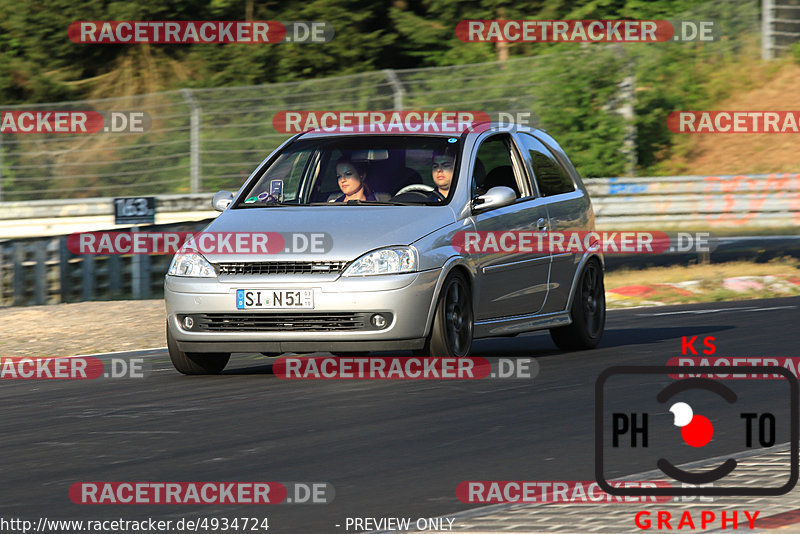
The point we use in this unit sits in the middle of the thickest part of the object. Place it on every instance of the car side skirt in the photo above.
(520, 323)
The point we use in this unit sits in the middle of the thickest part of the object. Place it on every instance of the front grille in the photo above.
(279, 322)
(282, 267)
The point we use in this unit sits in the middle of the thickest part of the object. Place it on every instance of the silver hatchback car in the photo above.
(387, 273)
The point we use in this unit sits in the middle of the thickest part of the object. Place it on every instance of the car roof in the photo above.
(478, 128)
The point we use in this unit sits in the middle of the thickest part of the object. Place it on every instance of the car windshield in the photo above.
(355, 170)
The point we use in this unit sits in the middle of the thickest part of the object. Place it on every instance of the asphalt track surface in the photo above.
(390, 448)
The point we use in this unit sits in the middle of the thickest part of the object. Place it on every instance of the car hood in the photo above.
(350, 230)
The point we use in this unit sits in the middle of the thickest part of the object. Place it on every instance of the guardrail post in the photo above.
(2, 278)
(114, 267)
(19, 273)
(194, 141)
(136, 275)
(136, 272)
(87, 277)
(626, 95)
(1, 167)
(40, 272)
(397, 88)
(65, 280)
(145, 277)
(627, 110)
(767, 22)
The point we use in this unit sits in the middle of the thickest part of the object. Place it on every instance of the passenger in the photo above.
(352, 178)
(442, 171)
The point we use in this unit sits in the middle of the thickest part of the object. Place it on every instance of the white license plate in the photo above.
(247, 299)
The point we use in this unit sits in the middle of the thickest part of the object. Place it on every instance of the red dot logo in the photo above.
(696, 430)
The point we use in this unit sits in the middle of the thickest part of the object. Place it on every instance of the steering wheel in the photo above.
(422, 188)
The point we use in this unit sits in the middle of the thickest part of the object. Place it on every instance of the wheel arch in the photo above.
(587, 257)
(454, 264)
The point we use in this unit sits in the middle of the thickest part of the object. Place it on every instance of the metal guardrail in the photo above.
(42, 271)
(673, 202)
(665, 202)
(39, 218)
(39, 209)
(39, 271)
(780, 26)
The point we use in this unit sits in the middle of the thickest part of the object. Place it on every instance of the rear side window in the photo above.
(552, 178)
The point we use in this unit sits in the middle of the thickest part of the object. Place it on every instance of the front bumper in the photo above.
(407, 298)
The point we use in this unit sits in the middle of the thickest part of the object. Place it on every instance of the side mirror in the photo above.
(496, 197)
(222, 200)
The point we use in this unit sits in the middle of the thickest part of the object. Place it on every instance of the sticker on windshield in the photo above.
(263, 196)
(251, 200)
(453, 140)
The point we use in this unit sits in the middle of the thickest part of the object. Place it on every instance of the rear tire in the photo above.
(451, 333)
(588, 312)
(196, 363)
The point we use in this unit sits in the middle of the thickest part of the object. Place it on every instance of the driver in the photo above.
(442, 171)
(352, 178)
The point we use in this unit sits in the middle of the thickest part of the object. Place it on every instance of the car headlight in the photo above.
(191, 265)
(384, 261)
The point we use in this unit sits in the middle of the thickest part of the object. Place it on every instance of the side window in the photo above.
(552, 178)
(289, 169)
(493, 166)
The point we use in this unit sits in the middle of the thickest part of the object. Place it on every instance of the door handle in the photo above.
(541, 224)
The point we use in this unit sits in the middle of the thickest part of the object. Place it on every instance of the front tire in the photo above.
(196, 363)
(451, 333)
(588, 312)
